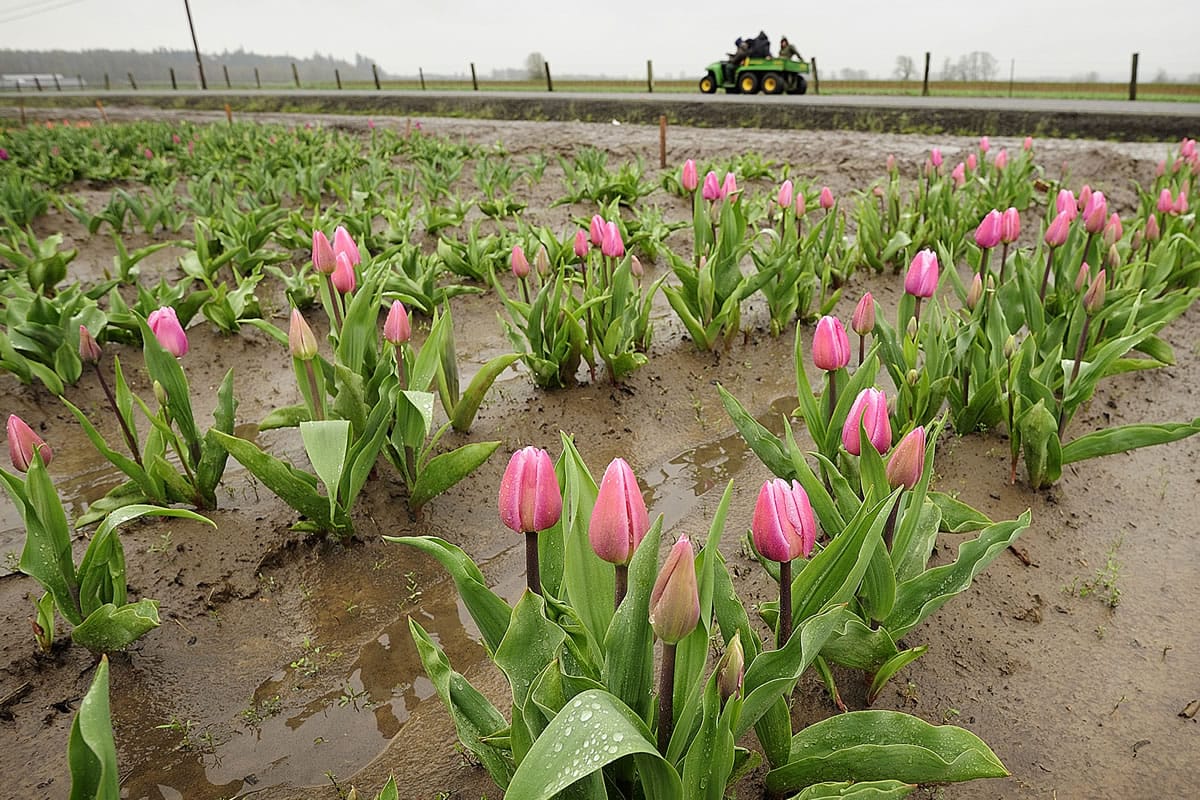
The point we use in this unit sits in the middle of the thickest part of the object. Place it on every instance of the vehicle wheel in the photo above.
(708, 84)
(772, 83)
(748, 83)
(801, 85)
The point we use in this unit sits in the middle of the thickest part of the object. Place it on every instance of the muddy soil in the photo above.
(284, 667)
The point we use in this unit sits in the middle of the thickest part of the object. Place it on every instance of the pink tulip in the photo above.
(1152, 232)
(800, 205)
(530, 500)
(301, 341)
(729, 187)
(542, 261)
(635, 267)
(922, 277)
(519, 263)
(1010, 225)
(1180, 206)
(1028, 143)
(870, 408)
(972, 162)
(786, 193)
(396, 328)
(1056, 234)
(959, 175)
(1095, 213)
(935, 157)
(322, 253)
(3, 154)
(891, 162)
(987, 235)
(831, 345)
(1113, 232)
(984, 144)
(344, 243)
(826, 199)
(1166, 203)
(164, 323)
(611, 244)
(1065, 204)
(783, 527)
(1160, 169)
(675, 598)
(1001, 159)
(1083, 276)
(619, 519)
(975, 293)
(343, 278)
(1093, 299)
(907, 463)
(581, 244)
(1085, 197)
(712, 188)
(596, 230)
(863, 321)
(689, 181)
(23, 443)
(89, 348)
(1187, 148)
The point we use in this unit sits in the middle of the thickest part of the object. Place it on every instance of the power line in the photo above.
(22, 12)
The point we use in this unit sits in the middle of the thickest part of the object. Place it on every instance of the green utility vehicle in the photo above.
(754, 75)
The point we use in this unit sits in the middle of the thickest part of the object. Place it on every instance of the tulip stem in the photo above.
(1046, 274)
(334, 302)
(785, 604)
(983, 261)
(1086, 246)
(889, 528)
(130, 439)
(832, 394)
(1079, 351)
(917, 310)
(620, 584)
(1003, 261)
(862, 349)
(532, 570)
(315, 390)
(666, 699)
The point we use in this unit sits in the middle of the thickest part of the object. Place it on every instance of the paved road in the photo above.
(997, 115)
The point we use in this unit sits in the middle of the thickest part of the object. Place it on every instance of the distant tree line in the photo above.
(154, 66)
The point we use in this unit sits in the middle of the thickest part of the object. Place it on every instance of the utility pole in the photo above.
(196, 47)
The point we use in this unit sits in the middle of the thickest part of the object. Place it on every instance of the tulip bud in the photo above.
(1028, 143)
(89, 348)
(907, 463)
(596, 229)
(542, 261)
(1083, 276)
(689, 180)
(869, 409)
(1113, 259)
(800, 205)
(912, 377)
(1093, 300)
(619, 517)
(731, 669)
(396, 328)
(972, 162)
(164, 323)
(635, 267)
(891, 162)
(1152, 232)
(1165, 202)
(987, 235)
(1010, 346)
(23, 443)
(826, 198)
(935, 157)
(1001, 159)
(729, 187)
(975, 293)
(831, 346)
(1160, 169)
(711, 190)
(322, 253)
(1065, 204)
(519, 263)
(581, 244)
(1056, 234)
(344, 243)
(301, 341)
(611, 244)
(958, 175)
(160, 394)
(343, 278)
(1180, 206)
(863, 320)
(530, 500)
(1010, 225)
(1095, 214)
(783, 527)
(984, 144)
(675, 598)
(784, 198)
(922, 277)
(1085, 197)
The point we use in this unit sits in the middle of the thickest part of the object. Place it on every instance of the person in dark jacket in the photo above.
(786, 50)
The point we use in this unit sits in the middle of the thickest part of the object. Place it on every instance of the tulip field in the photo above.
(463, 459)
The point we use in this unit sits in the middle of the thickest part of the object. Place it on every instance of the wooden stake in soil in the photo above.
(225, 69)
(375, 72)
(421, 75)
(296, 74)
(100, 108)
(174, 84)
(132, 82)
(474, 80)
(257, 79)
(228, 114)
(337, 76)
(662, 141)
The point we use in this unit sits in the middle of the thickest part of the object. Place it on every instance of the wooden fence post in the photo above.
(375, 72)
(296, 74)
(421, 74)
(225, 69)
(816, 77)
(1133, 79)
(37, 82)
(57, 83)
(337, 76)
(649, 75)
(132, 82)
(174, 84)
(925, 83)
(257, 79)
(107, 85)
(549, 81)
(474, 80)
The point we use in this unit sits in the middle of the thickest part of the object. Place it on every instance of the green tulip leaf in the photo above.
(850, 790)
(109, 629)
(444, 470)
(91, 752)
(1126, 437)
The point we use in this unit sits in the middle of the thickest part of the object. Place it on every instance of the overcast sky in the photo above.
(1047, 38)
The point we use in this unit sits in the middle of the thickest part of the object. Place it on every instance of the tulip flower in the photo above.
(921, 280)
(1065, 204)
(519, 263)
(1113, 231)
(831, 346)
(1010, 225)
(786, 192)
(322, 253)
(619, 521)
(164, 323)
(301, 341)
(343, 243)
(975, 293)
(1152, 231)
(689, 180)
(800, 205)
(1095, 213)
(987, 236)
(344, 280)
(635, 267)
(826, 198)
(1161, 168)
(712, 189)
(959, 175)
(530, 502)
(674, 613)
(1056, 236)
(972, 162)
(581, 244)
(23, 443)
(729, 188)
(1180, 206)
(907, 463)
(397, 329)
(611, 244)
(869, 409)
(783, 529)
(1083, 276)
(1093, 301)
(1001, 159)
(3, 154)
(1166, 203)
(596, 230)
(984, 144)
(935, 157)
(542, 261)
(1027, 144)
(731, 669)
(863, 322)
(1085, 197)
(891, 162)
(89, 348)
